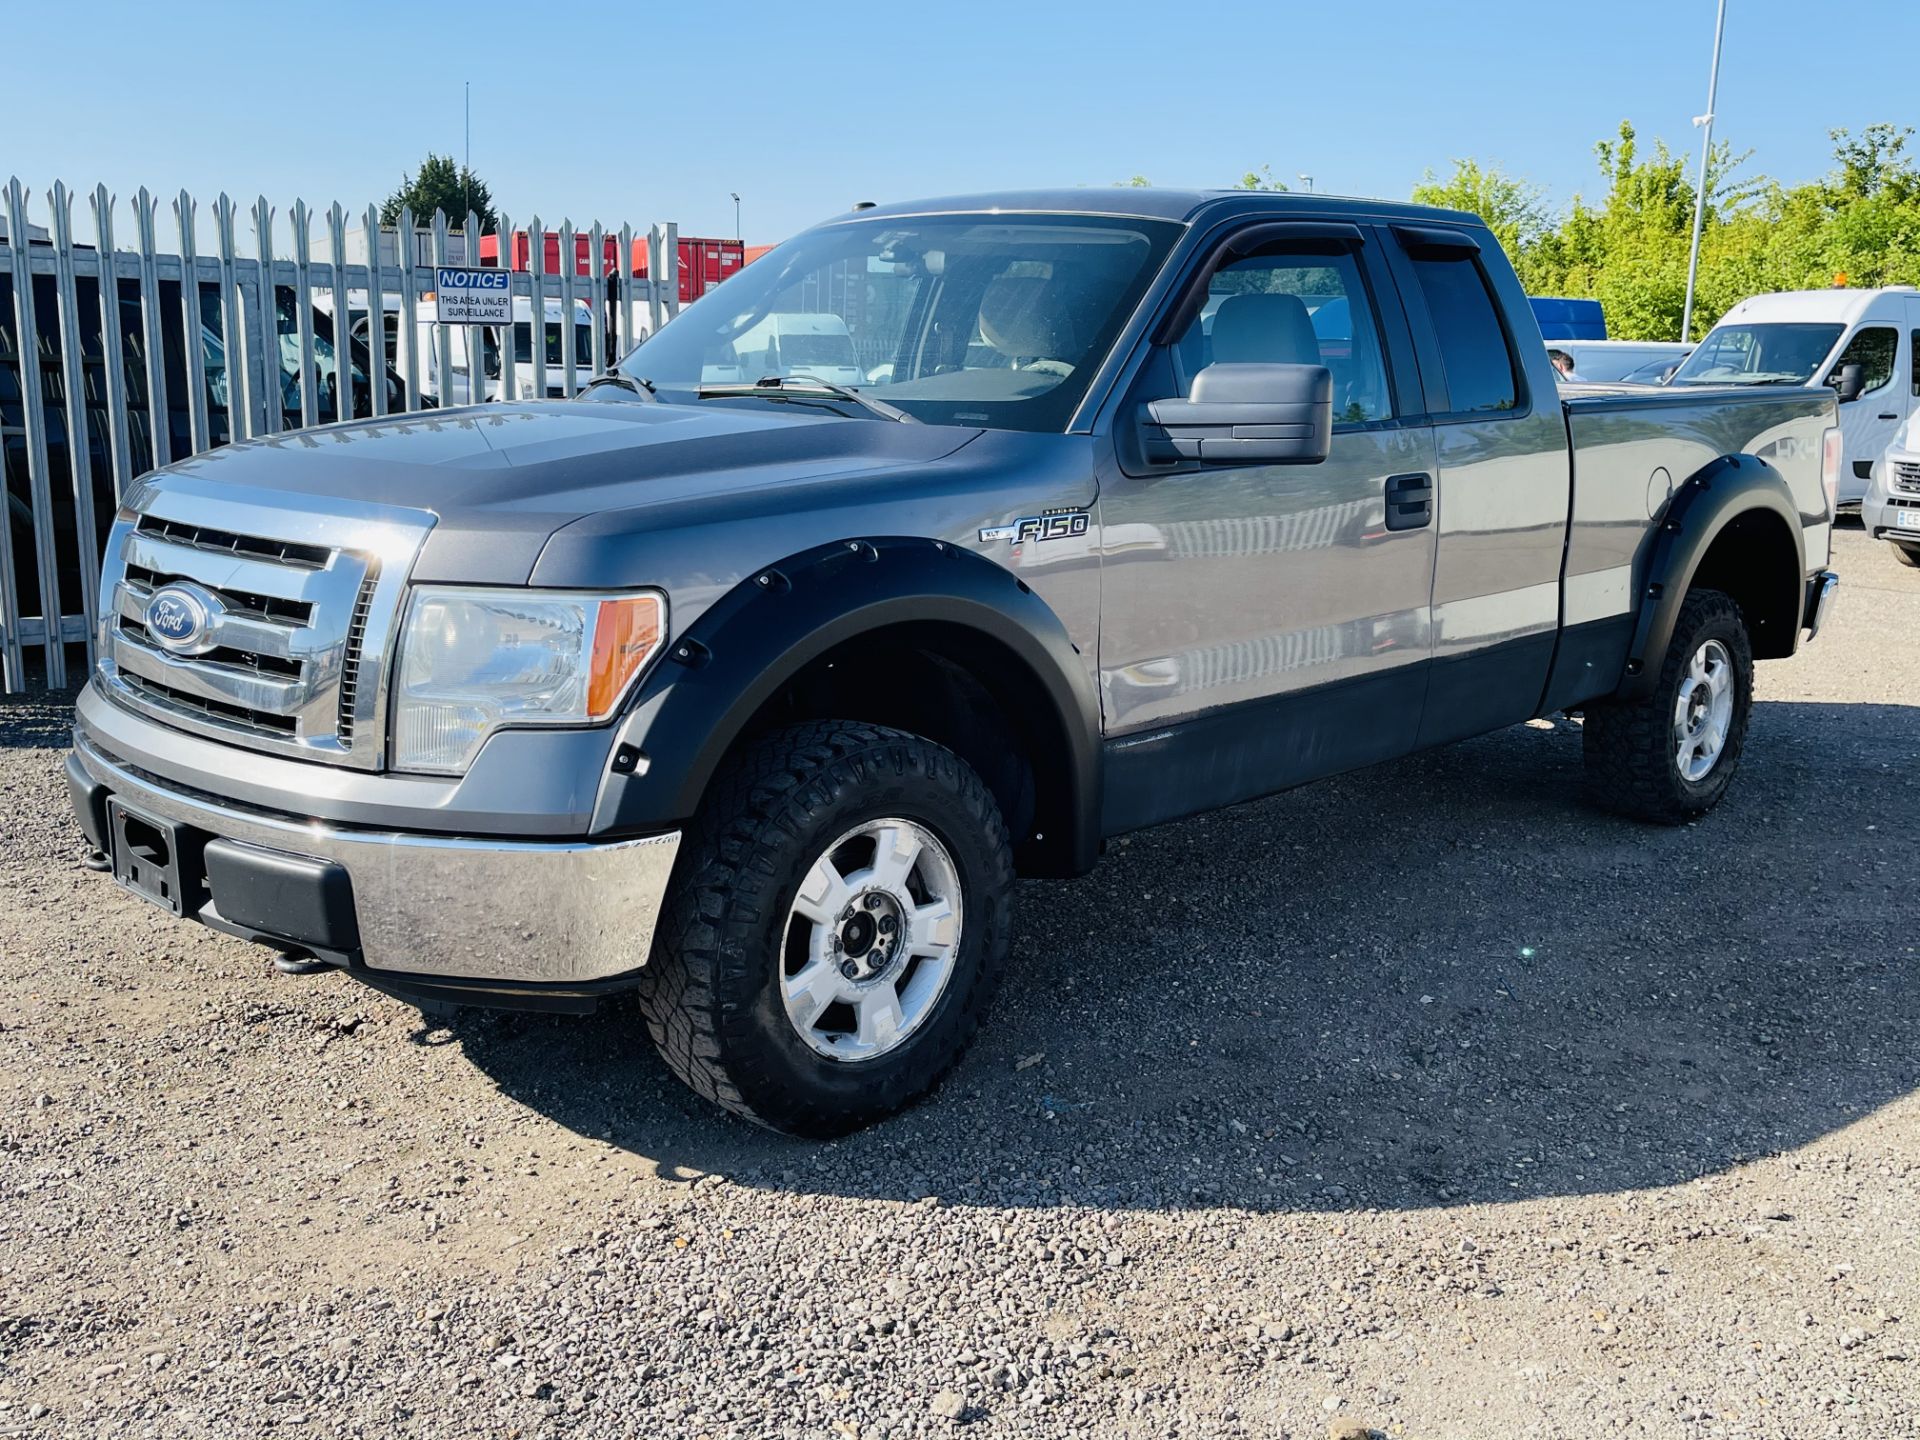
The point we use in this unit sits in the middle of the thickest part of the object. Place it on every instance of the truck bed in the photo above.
(1631, 445)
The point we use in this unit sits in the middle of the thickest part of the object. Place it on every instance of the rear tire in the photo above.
(807, 976)
(1670, 755)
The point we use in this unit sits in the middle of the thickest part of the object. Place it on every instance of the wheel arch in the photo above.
(919, 634)
(1732, 526)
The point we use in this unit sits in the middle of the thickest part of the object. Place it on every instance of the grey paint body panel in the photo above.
(1632, 446)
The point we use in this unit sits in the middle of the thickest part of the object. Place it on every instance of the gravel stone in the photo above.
(1548, 1123)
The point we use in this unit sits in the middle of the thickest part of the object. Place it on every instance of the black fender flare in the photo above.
(1702, 507)
(713, 679)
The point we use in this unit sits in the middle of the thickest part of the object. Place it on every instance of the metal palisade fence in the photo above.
(115, 361)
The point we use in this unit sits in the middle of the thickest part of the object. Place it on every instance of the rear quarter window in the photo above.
(1473, 344)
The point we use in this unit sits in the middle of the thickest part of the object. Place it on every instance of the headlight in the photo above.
(475, 661)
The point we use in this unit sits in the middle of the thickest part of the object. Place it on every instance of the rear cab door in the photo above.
(1504, 480)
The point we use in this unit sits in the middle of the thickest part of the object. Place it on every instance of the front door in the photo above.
(1869, 424)
(1265, 624)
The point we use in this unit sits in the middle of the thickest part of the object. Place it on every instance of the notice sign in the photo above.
(472, 297)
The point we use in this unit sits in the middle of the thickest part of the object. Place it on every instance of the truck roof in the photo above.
(1152, 203)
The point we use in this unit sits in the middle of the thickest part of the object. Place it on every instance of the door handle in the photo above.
(1409, 501)
(1889, 417)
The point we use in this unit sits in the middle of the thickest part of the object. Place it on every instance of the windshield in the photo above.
(989, 320)
(1777, 354)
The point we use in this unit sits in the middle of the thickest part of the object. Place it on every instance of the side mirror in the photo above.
(1245, 414)
(1850, 382)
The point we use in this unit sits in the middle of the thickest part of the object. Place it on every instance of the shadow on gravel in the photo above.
(1442, 981)
(37, 719)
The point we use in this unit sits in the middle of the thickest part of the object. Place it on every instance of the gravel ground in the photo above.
(1425, 1097)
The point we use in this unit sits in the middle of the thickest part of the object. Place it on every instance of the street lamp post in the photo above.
(1307, 180)
(1705, 122)
(736, 213)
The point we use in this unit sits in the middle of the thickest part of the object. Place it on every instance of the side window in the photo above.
(1285, 307)
(1473, 346)
(1874, 350)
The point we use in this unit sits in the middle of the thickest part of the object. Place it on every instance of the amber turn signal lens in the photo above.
(625, 633)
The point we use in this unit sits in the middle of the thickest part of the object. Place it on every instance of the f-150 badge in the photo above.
(1058, 524)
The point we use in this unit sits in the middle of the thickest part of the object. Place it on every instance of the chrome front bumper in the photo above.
(533, 912)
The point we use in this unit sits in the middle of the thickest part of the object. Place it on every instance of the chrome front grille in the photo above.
(225, 542)
(356, 647)
(166, 699)
(1906, 476)
(297, 601)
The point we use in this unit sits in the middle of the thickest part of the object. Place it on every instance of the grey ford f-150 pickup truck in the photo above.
(752, 690)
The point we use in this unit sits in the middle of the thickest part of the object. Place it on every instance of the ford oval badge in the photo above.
(181, 618)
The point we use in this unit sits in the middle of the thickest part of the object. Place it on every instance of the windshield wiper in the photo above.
(807, 387)
(642, 388)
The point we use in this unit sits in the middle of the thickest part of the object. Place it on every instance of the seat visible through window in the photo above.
(1023, 318)
(1264, 330)
(1285, 307)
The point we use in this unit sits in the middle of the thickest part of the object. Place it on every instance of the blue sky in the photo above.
(649, 112)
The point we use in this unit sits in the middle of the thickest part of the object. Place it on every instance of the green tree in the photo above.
(1261, 179)
(1874, 164)
(441, 185)
(1630, 251)
(1513, 209)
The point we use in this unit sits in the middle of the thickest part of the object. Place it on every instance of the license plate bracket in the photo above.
(156, 859)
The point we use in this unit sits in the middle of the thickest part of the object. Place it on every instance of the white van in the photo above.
(798, 343)
(1815, 337)
(1891, 510)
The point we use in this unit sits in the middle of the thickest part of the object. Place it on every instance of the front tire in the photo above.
(835, 928)
(1670, 755)
(1908, 554)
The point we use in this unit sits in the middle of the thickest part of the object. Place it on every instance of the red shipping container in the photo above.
(523, 252)
(704, 263)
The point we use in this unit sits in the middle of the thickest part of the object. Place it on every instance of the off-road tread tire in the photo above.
(761, 822)
(1628, 746)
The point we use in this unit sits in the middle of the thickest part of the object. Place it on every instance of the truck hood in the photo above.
(501, 479)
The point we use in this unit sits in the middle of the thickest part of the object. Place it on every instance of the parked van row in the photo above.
(1859, 342)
